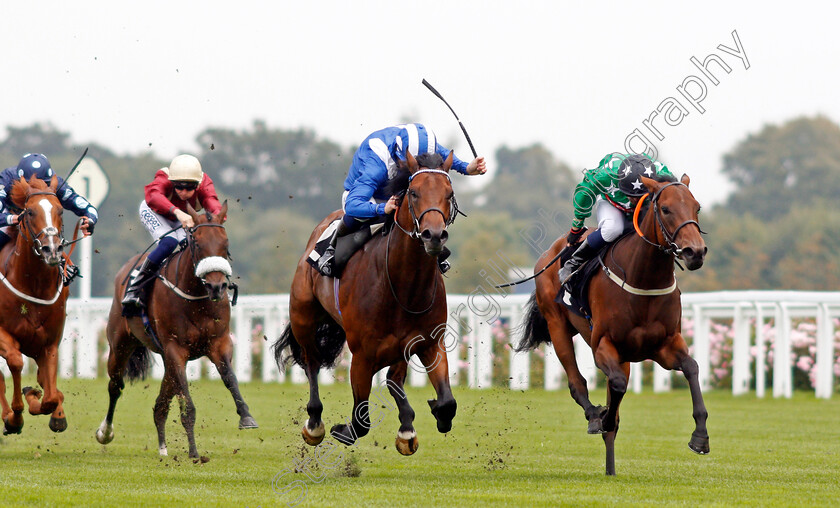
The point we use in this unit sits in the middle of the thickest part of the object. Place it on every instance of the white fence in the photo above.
(471, 323)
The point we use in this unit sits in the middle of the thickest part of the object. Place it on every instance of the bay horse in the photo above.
(636, 310)
(188, 313)
(390, 303)
(33, 303)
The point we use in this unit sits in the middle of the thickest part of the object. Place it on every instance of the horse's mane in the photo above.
(20, 190)
(663, 178)
(399, 184)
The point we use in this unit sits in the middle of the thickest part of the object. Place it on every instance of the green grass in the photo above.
(507, 448)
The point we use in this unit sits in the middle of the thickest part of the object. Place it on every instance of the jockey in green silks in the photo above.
(612, 189)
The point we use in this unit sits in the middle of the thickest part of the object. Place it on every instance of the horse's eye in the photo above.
(413, 194)
(666, 210)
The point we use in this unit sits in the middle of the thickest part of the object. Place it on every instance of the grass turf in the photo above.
(507, 448)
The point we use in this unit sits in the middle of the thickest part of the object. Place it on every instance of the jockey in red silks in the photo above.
(164, 209)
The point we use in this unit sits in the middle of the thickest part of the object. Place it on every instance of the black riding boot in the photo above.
(443, 264)
(133, 300)
(583, 254)
(325, 262)
(68, 272)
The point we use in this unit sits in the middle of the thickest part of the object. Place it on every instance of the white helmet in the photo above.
(185, 168)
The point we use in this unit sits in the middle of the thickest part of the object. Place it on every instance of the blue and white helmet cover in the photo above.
(415, 137)
(34, 164)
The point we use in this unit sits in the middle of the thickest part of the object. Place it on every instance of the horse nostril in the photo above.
(426, 235)
(705, 251)
(688, 252)
(444, 236)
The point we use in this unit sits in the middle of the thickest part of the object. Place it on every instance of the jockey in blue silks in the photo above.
(37, 165)
(374, 164)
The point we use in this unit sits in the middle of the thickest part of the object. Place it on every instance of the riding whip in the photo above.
(463, 129)
(71, 170)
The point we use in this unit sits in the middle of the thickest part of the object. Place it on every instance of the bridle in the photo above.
(453, 206)
(415, 233)
(204, 266)
(670, 246)
(47, 232)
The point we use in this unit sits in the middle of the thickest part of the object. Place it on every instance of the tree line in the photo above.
(777, 230)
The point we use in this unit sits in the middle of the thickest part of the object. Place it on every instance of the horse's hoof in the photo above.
(699, 444)
(444, 413)
(11, 429)
(58, 424)
(407, 442)
(343, 434)
(315, 436)
(248, 422)
(34, 392)
(595, 426)
(105, 432)
(162, 451)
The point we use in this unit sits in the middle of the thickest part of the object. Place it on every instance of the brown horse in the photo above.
(634, 318)
(189, 316)
(391, 303)
(32, 303)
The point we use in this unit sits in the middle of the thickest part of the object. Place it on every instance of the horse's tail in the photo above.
(329, 341)
(536, 327)
(138, 364)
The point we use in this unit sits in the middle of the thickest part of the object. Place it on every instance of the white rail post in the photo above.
(760, 352)
(701, 346)
(825, 353)
(740, 352)
(636, 374)
(272, 330)
(782, 368)
(553, 368)
(242, 346)
(586, 362)
(520, 363)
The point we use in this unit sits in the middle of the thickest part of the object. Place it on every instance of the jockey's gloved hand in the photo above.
(574, 235)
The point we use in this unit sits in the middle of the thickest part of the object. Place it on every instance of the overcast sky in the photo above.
(578, 77)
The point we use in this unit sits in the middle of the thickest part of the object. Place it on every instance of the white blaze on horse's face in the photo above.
(50, 233)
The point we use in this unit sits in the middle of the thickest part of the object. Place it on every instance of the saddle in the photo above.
(345, 247)
(575, 293)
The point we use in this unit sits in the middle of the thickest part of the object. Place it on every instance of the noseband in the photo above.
(453, 204)
(670, 246)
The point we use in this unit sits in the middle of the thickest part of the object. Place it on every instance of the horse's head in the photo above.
(209, 249)
(676, 212)
(40, 222)
(430, 200)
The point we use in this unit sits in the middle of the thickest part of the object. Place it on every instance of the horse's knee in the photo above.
(115, 386)
(15, 361)
(689, 367)
(618, 383)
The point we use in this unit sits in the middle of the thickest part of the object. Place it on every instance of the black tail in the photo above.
(138, 364)
(536, 327)
(329, 341)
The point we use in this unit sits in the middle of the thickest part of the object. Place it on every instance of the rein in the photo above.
(415, 233)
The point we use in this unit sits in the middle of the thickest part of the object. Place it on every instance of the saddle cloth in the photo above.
(344, 248)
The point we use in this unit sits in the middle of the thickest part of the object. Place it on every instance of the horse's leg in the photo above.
(677, 358)
(303, 327)
(168, 388)
(406, 437)
(561, 332)
(12, 415)
(220, 354)
(361, 378)
(444, 407)
(176, 359)
(618, 374)
(53, 400)
(122, 346)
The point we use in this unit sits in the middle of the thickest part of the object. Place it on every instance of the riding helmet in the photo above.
(35, 164)
(185, 168)
(631, 170)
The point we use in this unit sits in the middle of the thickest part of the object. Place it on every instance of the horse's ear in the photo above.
(222, 215)
(447, 164)
(412, 162)
(685, 180)
(193, 213)
(651, 184)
